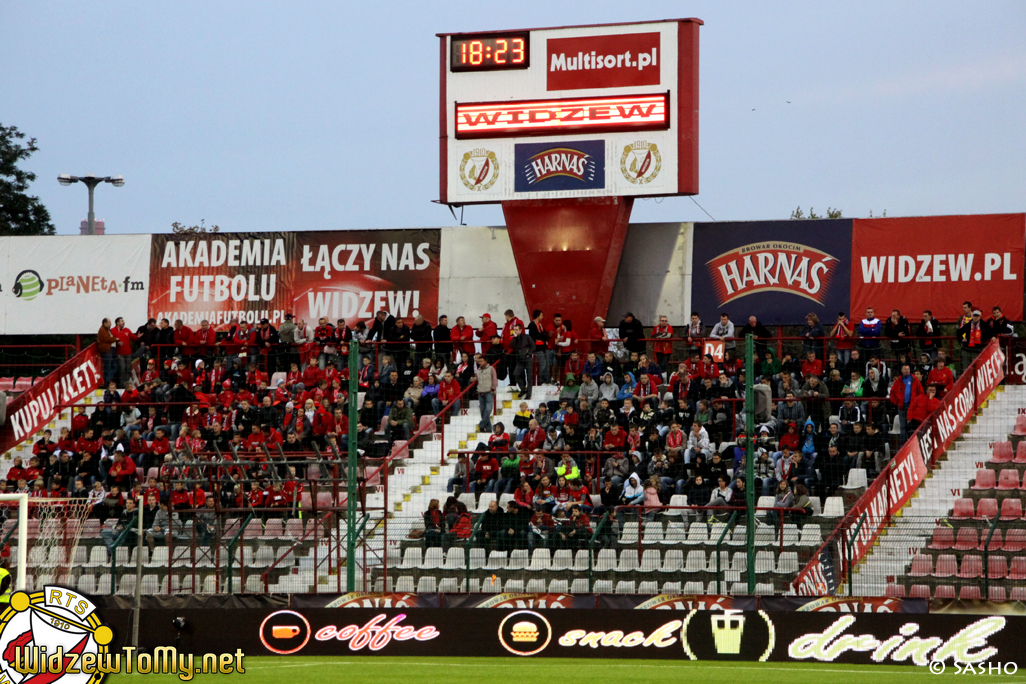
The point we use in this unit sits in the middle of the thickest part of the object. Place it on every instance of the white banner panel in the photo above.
(67, 284)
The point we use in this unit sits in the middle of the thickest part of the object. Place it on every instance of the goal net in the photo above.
(54, 528)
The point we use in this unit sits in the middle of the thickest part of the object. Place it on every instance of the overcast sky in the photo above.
(323, 115)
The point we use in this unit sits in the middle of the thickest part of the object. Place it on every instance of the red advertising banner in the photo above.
(614, 61)
(34, 408)
(250, 276)
(937, 262)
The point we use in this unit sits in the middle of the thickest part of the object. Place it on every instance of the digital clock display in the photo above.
(490, 52)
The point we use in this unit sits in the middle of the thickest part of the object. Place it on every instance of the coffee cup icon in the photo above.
(284, 631)
(727, 630)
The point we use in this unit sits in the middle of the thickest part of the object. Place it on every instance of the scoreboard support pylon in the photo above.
(567, 253)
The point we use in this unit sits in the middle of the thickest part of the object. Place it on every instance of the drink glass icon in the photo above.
(727, 629)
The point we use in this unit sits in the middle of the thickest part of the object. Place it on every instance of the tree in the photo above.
(182, 229)
(20, 214)
(830, 214)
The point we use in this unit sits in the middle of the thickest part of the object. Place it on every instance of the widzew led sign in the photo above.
(621, 113)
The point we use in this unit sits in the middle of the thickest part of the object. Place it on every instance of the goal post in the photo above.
(22, 558)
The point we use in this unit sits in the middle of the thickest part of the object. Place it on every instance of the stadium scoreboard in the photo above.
(569, 112)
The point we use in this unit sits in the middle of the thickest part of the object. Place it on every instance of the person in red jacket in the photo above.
(181, 499)
(615, 439)
(597, 336)
(507, 329)
(486, 474)
(462, 336)
(487, 329)
(647, 391)
(904, 390)
(663, 350)
(122, 472)
(922, 406)
(941, 377)
(534, 439)
(448, 390)
(812, 366)
(123, 341)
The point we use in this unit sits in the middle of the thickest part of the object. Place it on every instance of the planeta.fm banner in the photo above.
(310, 274)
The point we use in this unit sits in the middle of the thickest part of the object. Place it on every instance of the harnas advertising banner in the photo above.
(337, 274)
(778, 271)
(937, 262)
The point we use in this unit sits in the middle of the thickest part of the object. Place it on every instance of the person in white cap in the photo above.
(598, 337)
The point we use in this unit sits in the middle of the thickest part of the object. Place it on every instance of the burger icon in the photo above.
(525, 632)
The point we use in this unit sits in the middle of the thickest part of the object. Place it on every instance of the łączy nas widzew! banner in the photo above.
(333, 274)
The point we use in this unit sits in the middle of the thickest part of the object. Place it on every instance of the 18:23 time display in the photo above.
(487, 53)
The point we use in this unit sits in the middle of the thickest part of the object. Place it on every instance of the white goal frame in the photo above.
(23, 506)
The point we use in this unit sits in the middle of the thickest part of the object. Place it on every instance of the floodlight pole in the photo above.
(138, 573)
(749, 457)
(354, 390)
(91, 181)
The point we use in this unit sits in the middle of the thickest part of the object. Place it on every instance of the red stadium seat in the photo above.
(6, 384)
(1002, 453)
(996, 542)
(920, 591)
(972, 567)
(966, 540)
(1020, 453)
(1011, 509)
(997, 593)
(1017, 594)
(986, 509)
(944, 591)
(943, 538)
(947, 565)
(1017, 570)
(969, 592)
(922, 565)
(427, 425)
(985, 479)
(895, 591)
(1020, 425)
(1015, 540)
(964, 509)
(22, 384)
(1009, 479)
(997, 566)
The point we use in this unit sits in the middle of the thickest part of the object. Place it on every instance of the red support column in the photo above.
(567, 253)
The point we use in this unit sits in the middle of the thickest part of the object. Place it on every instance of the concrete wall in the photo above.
(479, 274)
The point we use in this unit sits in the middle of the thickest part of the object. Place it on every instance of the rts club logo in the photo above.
(641, 162)
(773, 266)
(525, 633)
(53, 635)
(28, 285)
(479, 169)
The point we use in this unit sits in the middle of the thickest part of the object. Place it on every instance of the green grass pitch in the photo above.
(386, 670)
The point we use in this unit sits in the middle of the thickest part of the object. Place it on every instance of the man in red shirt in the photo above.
(448, 390)
(507, 329)
(486, 474)
(812, 366)
(487, 329)
(534, 439)
(123, 342)
(663, 350)
(647, 391)
(462, 336)
(615, 439)
(941, 376)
